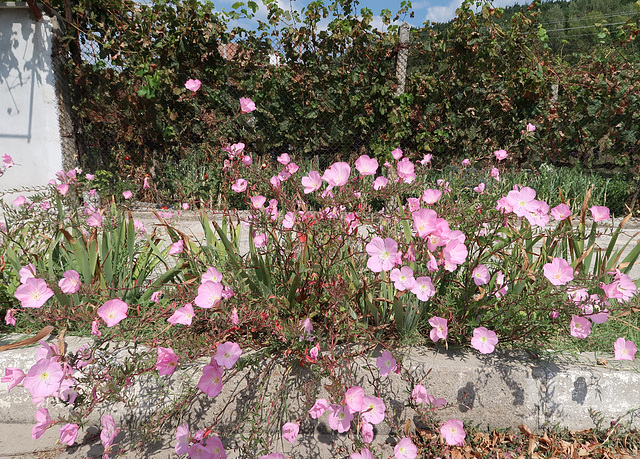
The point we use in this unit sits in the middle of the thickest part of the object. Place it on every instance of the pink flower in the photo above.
(426, 159)
(27, 272)
(7, 161)
(19, 201)
(13, 377)
(145, 183)
(183, 315)
(484, 340)
(43, 379)
(624, 350)
(580, 327)
(211, 380)
(339, 418)
(70, 282)
(318, 408)
(382, 254)
(193, 85)
(95, 220)
(480, 188)
(312, 182)
(530, 127)
(423, 288)
(419, 394)
(353, 399)
(283, 159)
(406, 170)
(402, 278)
(373, 408)
(363, 454)
(227, 354)
(405, 449)
(44, 421)
(63, 188)
(69, 434)
(109, 431)
(289, 220)
(561, 211)
(453, 432)
(292, 168)
(495, 173)
(234, 317)
(466, 162)
(113, 311)
(439, 330)
(167, 361)
(522, 201)
(599, 213)
(290, 432)
(366, 165)
(127, 194)
(558, 271)
(455, 253)
(239, 185)
(33, 293)
(176, 247)
(246, 105)
(501, 154)
(480, 275)
(380, 182)
(95, 331)
(366, 430)
(431, 196)
(273, 456)
(260, 239)
(424, 221)
(397, 154)
(9, 317)
(246, 160)
(386, 363)
(182, 439)
(209, 294)
(337, 174)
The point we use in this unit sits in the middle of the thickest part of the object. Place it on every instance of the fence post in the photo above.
(403, 53)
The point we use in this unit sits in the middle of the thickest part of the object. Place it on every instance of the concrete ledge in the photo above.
(501, 390)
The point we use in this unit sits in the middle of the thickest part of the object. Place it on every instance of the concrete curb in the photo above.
(500, 390)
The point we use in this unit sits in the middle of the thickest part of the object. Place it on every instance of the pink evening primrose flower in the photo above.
(561, 211)
(580, 327)
(109, 431)
(70, 282)
(258, 201)
(419, 394)
(209, 294)
(44, 378)
(27, 272)
(9, 317)
(290, 431)
(484, 340)
(339, 418)
(44, 422)
(453, 432)
(363, 454)
(382, 254)
(480, 275)
(182, 439)
(366, 430)
(284, 159)
(69, 434)
(480, 188)
(211, 380)
(113, 311)
(193, 84)
(33, 293)
(319, 407)
(13, 377)
(127, 194)
(466, 162)
(95, 220)
(311, 182)
(366, 165)
(95, 331)
(530, 127)
(337, 174)
(501, 154)
(353, 399)
(63, 188)
(423, 288)
(246, 105)
(7, 161)
(431, 196)
(624, 350)
(19, 201)
(373, 409)
(439, 330)
(406, 170)
(397, 154)
(167, 361)
(599, 213)
(260, 239)
(386, 363)
(380, 183)
(426, 159)
(183, 315)
(402, 278)
(405, 449)
(176, 248)
(558, 272)
(239, 185)
(495, 173)
(227, 354)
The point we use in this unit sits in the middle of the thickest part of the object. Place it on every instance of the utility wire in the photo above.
(586, 27)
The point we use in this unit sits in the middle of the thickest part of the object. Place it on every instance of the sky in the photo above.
(425, 10)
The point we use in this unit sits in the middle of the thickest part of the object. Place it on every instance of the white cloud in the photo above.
(444, 13)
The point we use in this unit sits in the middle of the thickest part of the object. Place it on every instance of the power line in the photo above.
(586, 27)
(580, 18)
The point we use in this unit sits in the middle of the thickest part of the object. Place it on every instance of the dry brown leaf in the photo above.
(525, 430)
(28, 341)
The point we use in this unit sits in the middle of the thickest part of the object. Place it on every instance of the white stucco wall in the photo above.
(29, 126)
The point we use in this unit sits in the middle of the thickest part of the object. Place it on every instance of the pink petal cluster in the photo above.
(167, 361)
(405, 449)
(580, 327)
(113, 311)
(366, 165)
(246, 105)
(386, 363)
(70, 282)
(312, 182)
(33, 293)
(624, 350)
(484, 340)
(382, 254)
(290, 431)
(337, 174)
(453, 432)
(193, 84)
(183, 315)
(439, 330)
(227, 354)
(558, 272)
